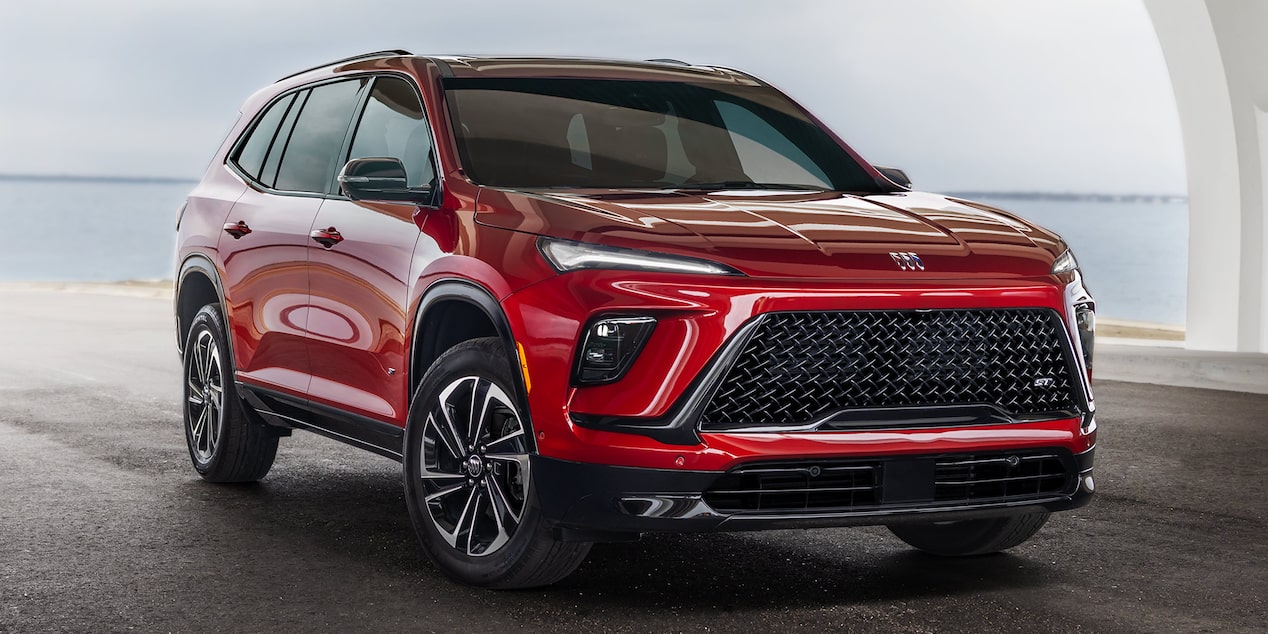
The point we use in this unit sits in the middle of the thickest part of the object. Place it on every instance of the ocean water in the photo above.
(1133, 254)
(89, 231)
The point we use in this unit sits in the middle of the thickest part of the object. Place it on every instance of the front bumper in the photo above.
(591, 502)
(616, 424)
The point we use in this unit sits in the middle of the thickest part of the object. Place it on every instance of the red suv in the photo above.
(582, 299)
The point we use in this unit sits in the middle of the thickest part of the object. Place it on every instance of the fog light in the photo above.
(609, 347)
(1085, 320)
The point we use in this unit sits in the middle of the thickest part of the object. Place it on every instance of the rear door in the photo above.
(287, 160)
(358, 317)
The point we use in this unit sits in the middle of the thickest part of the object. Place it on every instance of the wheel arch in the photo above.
(455, 310)
(197, 284)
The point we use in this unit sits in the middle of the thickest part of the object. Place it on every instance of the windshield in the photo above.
(587, 133)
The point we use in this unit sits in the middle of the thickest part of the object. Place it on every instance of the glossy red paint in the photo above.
(335, 324)
(265, 279)
(696, 315)
(357, 310)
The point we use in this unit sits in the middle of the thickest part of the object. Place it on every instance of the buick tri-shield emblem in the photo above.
(907, 261)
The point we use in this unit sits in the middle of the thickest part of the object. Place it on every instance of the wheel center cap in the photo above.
(474, 466)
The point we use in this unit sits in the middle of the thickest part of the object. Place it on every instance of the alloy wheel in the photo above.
(204, 397)
(474, 466)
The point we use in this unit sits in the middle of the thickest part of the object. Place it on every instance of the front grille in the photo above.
(798, 368)
(844, 485)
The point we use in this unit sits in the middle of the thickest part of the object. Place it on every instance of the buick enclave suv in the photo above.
(581, 300)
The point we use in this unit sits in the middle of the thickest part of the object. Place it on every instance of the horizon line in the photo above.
(965, 193)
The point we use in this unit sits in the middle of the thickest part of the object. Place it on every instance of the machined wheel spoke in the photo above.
(476, 428)
(466, 522)
(195, 392)
(511, 436)
(502, 505)
(499, 520)
(446, 491)
(437, 475)
(444, 409)
(200, 426)
(211, 361)
(447, 439)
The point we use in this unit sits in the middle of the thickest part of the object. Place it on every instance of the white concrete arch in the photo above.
(1217, 55)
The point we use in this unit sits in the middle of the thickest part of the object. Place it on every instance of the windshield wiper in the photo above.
(750, 185)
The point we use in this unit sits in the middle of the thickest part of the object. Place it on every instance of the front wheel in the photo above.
(468, 476)
(970, 537)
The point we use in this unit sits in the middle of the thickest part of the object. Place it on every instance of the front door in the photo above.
(360, 260)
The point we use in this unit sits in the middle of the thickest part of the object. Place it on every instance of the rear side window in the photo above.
(253, 152)
(269, 175)
(393, 126)
(312, 151)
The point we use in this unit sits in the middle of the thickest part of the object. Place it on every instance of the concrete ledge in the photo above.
(155, 289)
(1235, 371)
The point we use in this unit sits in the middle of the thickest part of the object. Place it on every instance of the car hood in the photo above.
(789, 234)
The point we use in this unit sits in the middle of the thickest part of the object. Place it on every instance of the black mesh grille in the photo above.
(798, 368)
(988, 478)
(797, 486)
(861, 484)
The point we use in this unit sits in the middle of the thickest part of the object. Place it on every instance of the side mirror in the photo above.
(380, 179)
(897, 176)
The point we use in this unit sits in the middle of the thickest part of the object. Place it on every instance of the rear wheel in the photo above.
(224, 444)
(970, 537)
(468, 477)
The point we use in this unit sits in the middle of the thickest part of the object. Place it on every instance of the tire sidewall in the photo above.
(465, 360)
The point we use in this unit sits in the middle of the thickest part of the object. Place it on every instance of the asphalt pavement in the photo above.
(104, 525)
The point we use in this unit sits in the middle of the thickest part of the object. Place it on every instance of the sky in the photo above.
(982, 95)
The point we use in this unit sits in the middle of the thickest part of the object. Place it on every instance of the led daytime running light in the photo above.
(571, 256)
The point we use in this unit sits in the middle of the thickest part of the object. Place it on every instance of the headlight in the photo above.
(571, 256)
(1065, 263)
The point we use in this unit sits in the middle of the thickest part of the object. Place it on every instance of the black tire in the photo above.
(453, 465)
(970, 537)
(224, 444)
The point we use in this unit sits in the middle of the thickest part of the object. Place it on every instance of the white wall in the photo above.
(1216, 52)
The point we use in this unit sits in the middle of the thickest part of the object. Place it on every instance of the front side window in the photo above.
(549, 132)
(312, 151)
(393, 126)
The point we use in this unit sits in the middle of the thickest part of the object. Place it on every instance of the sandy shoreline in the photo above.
(162, 289)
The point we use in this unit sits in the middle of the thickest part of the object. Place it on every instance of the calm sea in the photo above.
(1133, 254)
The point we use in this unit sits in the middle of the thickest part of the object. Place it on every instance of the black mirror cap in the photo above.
(895, 175)
(380, 179)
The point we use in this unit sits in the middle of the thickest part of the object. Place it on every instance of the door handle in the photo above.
(237, 229)
(327, 237)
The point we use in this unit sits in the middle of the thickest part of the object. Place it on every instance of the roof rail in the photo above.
(354, 58)
(666, 60)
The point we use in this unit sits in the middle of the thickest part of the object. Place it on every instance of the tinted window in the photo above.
(268, 175)
(766, 155)
(313, 149)
(251, 154)
(549, 132)
(393, 126)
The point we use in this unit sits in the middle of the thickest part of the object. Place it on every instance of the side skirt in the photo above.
(283, 410)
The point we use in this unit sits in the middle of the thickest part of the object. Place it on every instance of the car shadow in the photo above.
(358, 515)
